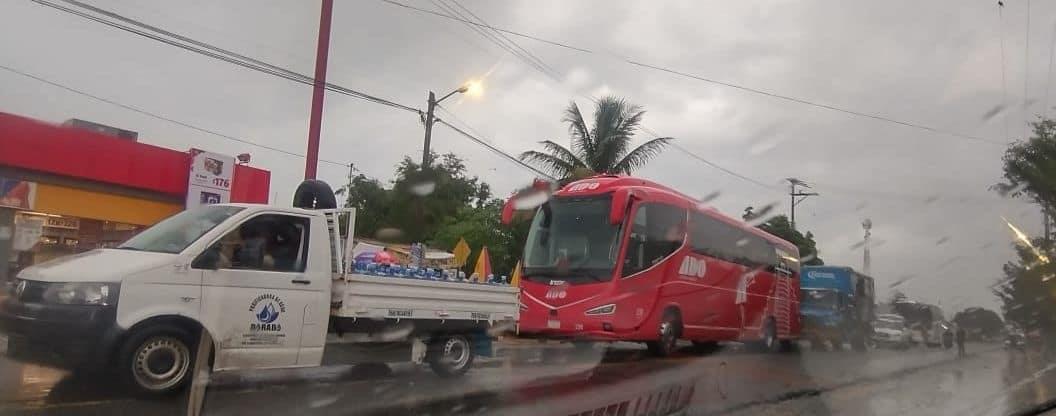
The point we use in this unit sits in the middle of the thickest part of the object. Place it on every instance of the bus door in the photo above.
(656, 233)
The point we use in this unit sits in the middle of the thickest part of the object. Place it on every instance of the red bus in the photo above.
(616, 258)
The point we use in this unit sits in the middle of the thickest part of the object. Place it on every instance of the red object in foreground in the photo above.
(625, 259)
(311, 162)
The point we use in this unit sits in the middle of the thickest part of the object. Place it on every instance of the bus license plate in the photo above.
(553, 324)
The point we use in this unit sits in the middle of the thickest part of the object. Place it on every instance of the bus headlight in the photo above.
(602, 310)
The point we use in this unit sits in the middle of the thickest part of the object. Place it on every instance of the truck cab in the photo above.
(837, 306)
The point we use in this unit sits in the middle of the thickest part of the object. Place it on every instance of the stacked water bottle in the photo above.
(371, 268)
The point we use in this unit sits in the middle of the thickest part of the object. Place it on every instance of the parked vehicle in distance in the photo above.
(926, 321)
(890, 331)
(837, 306)
(266, 283)
(615, 258)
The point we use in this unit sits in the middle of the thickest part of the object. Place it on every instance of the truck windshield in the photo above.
(572, 238)
(175, 233)
(820, 298)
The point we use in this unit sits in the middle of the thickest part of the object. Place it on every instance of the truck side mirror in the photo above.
(208, 260)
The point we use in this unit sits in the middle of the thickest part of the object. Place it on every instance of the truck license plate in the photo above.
(553, 324)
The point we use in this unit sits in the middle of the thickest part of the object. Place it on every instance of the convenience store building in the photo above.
(66, 189)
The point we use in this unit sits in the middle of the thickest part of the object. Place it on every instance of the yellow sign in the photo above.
(461, 252)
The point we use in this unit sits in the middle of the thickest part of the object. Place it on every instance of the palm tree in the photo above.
(600, 149)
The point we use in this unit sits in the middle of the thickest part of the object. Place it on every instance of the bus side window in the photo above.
(658, 230)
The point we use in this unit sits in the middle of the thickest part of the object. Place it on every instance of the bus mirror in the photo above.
(620, 198)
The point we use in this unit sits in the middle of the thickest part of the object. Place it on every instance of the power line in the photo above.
(492, 37)
(211, 50)
(548, 70)
(730, 85)
(494, 149)
(225, 55)
(1004, 78)
(526, 36)
(159, 116)
(1048, 74)
(1026, 73)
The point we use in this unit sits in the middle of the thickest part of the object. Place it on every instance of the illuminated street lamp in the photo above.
(472, 88)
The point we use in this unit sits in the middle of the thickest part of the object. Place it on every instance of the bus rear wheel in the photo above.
(670, 330)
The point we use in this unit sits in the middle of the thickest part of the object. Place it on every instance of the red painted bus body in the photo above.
(615, 258)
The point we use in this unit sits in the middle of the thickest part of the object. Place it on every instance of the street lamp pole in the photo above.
(430, 119)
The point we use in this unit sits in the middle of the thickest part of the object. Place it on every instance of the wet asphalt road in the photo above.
(533, 379)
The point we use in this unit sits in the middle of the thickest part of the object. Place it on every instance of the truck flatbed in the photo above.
(383, 297)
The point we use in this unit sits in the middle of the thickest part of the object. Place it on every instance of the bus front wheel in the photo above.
(670, 329)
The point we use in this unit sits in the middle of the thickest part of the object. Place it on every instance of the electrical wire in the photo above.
(159, 116)
(730, 85)
(1004, 77)
(224, 55)
(523, 35)
(1048, 74)
(496, 150)
(1026, 74)
(548, 70)
(212, 51)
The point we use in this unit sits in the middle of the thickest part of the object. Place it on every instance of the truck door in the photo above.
(255, 293)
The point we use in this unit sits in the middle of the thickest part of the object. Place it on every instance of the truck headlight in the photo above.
(80, 293)
(602, 310)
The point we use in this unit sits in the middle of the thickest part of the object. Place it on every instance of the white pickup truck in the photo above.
(267, 285)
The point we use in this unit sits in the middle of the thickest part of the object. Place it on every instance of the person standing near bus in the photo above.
(960, 338)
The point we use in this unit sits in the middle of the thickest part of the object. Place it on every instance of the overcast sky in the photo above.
(937, 64)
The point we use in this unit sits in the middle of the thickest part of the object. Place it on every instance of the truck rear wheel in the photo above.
(157, 360)
(450, 355)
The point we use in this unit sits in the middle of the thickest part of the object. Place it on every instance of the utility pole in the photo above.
(322, 52)
(429, 119)
(867, 225)
(793, 194)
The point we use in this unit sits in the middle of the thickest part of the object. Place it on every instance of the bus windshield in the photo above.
(820, 298)
(572, 239)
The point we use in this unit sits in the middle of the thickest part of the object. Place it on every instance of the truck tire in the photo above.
(157, 360)
(314, 194)
(670, 330)
(769, 342)
(450, 355)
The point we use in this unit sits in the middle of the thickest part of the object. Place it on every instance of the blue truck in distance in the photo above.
(836, 305)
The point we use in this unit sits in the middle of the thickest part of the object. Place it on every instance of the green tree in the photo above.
(1030, 166)
(601, 148)
(418, 201)
(1028, 289)
(781, 227)
(481, 226)
(371, 201)
(979, 322)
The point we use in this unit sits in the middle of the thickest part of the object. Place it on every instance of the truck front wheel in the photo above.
(450, 355)
(157, 360)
